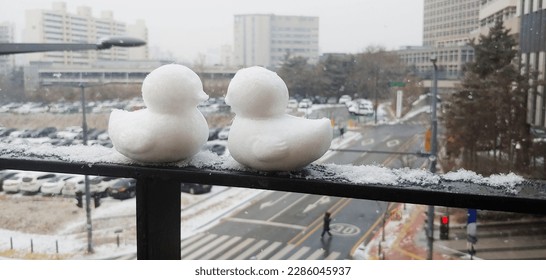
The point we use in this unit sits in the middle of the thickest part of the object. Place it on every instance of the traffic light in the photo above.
(444, 227)
(428, 137)
(79, 202)
(96, 199)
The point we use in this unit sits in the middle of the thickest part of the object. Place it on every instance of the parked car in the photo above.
(124, 188)
(55, 186)
(224, 133)
(43, 132)
(4, 175)
(213, 133)
(218, 147)
(11, 185)
(305, 103)
(31, 182)
(195, 188)
(292, 104)
(74, 185)
(344, 99)
(101, 185)
(360, 107)
(6, 132)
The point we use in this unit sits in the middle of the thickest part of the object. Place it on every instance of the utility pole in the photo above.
(89, 225)
(433, 153)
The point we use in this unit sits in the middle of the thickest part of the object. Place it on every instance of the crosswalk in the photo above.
(209, 246)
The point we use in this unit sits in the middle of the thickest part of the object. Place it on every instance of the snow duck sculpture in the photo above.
(170, 128)
(262, 135)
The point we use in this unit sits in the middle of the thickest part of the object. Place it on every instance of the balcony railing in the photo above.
(158, 187)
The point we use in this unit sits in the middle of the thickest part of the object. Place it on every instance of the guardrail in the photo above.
(158, 187)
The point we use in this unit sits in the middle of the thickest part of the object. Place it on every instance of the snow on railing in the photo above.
(463, 188)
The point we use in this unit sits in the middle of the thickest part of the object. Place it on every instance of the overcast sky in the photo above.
(188, 28)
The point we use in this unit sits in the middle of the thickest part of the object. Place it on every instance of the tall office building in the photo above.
(495, 10)
(6, 36)
(449, 22)
(59, 26)
(532, 39)
(267, 39)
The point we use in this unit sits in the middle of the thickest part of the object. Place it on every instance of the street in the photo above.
(282, 225)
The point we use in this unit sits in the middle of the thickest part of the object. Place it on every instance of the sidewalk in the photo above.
(404, 237)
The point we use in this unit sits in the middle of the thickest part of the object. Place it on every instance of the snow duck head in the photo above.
(256, 92)
(172, 88)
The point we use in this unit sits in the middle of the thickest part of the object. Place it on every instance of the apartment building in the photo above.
(7, 62)
(58, 25)
(449, 22)
(268, 39)
(532, 39)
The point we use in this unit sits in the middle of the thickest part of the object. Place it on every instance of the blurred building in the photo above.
(7, 62)
(267, 39)
(449, 23)
(46, 74)
(448, 27)
(498, 10)
(58, 25)
(532, 39)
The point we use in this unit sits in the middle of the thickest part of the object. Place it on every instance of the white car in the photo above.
(292, 104)
(74, 185)
(224, 133)
(360, 107)
(344, 99)
(32, 181)
(101, 184)
(11, 185)
(305, 103)
(55, 186)
(97, 184)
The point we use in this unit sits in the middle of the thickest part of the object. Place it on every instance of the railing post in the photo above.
(158, 219)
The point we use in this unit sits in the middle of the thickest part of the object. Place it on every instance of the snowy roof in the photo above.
(463, 188)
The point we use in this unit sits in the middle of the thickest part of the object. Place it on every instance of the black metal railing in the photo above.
(158, 192)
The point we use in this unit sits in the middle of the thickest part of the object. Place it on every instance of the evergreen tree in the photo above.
(489, 112)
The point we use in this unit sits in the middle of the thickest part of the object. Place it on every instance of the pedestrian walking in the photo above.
(326, 225)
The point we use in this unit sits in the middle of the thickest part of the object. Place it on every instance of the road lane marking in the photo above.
(288, 207)
(267, 223)
(333, 256)
(367, 141)
(197, 244)
(206, 247)
(251, 250)
(221, 248)
(299, 253)
(316, 254)
(268, 250)
(236, 249)
(283, 252)
(323, 200)
(392, 143)
(273, 202)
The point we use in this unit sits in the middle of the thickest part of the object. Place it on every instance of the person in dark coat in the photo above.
(326, 225)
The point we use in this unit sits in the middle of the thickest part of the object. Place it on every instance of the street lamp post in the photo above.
(433, 153)
(104, 43)
(86, 179)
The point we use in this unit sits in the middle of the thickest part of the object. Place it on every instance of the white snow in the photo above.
(198, 213)
(170, 128)
(262, 135)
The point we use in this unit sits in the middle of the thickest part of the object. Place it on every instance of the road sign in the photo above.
(472, 216)
(344, 229)
(397, 84)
